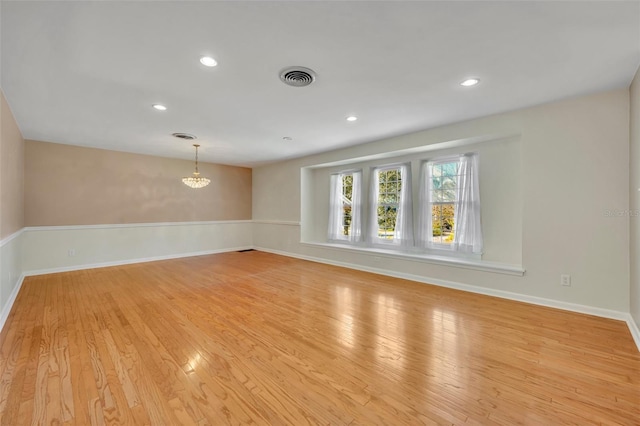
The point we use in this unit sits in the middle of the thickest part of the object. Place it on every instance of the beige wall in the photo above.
(11, 207)
(69, 185)
(11, 172)
(634, 197)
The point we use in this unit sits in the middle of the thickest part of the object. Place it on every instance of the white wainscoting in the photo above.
(10, 273)
(63, 248)
(49, 249)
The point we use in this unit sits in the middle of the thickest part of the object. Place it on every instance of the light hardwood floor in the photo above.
(252, 337)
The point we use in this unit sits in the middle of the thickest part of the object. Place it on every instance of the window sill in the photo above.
(453, 261)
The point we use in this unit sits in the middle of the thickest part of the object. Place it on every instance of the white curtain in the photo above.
(356, 208)
(335, 208)
(404, 222)
(425, 222)
(374, 188)
(467, 229)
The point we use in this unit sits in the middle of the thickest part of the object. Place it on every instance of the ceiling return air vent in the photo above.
(297, 76)
(185, 136)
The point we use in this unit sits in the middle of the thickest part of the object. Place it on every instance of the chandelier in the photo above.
(196, 181)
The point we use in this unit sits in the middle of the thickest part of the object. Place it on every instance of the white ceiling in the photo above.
(86, 73)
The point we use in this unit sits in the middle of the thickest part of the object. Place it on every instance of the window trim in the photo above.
(373, 239)
(439, 248)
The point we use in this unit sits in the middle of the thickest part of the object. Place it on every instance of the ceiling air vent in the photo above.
(185, 136)
(297, 76)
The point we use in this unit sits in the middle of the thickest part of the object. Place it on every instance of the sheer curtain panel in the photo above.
(404, 222)
(335, 208)
(356, 208)
(425, 225)
(467, 228)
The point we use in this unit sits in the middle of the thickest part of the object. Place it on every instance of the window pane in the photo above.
(436, 221)
(449, 169)
(386, 221)
(436, 211)
(347, 191)
(382, 188)
(449, 182)
(346, 221)
(436, 170)
(447, 217)
(442, 222)
(449, 195)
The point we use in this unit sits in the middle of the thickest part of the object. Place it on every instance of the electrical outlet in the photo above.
(71, 252)
(565, 280)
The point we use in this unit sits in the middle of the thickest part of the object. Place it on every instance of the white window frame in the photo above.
(403, 231)
(469, 241)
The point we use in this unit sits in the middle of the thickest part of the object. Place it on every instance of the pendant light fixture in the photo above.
(196, 181)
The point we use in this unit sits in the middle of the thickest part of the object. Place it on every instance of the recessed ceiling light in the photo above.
(159, 107)
(208, 61)
(352, 118)
(470, 82)
(287, 138)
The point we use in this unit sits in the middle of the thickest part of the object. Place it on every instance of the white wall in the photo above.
(634, 199)
(574, 170)
(46, 249)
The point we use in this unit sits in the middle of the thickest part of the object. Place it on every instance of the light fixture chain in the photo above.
(196, 181)
(196, 158)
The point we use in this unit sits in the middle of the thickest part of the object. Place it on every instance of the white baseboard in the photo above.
(633, 328)
(130, 261)
(6, 309)
(573, 307)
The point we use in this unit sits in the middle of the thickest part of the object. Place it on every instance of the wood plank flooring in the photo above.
(242, 338)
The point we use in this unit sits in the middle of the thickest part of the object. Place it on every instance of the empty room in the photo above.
(319, 212)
